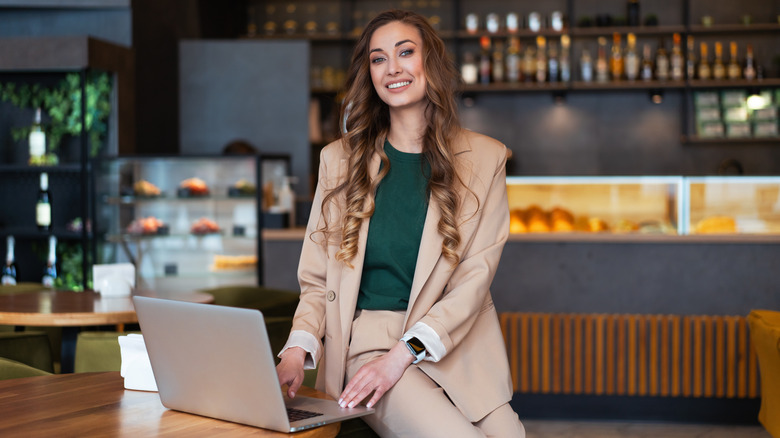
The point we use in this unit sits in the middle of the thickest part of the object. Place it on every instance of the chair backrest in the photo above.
(11, 369)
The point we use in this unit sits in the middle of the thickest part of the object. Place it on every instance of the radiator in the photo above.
(640, 355)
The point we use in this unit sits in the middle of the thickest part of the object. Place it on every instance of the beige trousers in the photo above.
(416, 406)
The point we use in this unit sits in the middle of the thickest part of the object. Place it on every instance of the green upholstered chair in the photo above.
(765, 335)
(278, 307)
(97, 351)
(30, 348)
(11, 369)
(272, 302)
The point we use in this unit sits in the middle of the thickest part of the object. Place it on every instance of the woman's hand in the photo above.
(290, 369)
(377, 376)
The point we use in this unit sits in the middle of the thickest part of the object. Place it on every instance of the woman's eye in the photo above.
(407, 52)
(377, 60)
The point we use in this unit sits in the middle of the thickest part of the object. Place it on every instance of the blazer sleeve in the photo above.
(312, 270)
(483, 236)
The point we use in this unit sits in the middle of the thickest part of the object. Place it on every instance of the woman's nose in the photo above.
(393, 67)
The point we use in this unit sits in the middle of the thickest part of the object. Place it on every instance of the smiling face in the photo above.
(396, 63)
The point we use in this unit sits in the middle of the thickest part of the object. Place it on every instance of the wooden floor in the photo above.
(602, 429)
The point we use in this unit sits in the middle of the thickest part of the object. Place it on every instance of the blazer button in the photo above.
(331, 295)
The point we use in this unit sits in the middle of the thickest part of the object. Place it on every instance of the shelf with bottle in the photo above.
(698, 29)
(595, 32)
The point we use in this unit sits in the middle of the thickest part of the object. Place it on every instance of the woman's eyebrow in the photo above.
(396, 45)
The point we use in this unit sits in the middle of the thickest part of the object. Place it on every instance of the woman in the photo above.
(407, 227)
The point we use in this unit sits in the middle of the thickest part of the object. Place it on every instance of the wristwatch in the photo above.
(416, 348)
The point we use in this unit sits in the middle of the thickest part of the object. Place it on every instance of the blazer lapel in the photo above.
(430, 244)
(350, 277)
(430, 250)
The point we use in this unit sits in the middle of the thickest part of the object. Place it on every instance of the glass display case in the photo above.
(603, 204)
(732, 205)
(184, 222)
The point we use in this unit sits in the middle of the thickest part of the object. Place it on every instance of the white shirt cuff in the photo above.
(307, 341)
(434, 348)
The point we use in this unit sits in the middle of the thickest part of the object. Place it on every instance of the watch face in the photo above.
(416, 345)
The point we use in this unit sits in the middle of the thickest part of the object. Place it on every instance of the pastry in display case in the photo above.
(186, 223)
(733, 205)
(603, 204)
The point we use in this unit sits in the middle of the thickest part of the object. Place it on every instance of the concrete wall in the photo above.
(251, 90)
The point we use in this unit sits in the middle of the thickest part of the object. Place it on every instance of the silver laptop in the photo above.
(217, 362)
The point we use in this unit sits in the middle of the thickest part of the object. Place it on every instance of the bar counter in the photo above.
(607, 273)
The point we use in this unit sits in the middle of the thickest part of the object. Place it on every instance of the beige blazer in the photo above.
(456, 303)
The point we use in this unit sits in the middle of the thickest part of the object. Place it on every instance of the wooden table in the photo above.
(96, 404)
(72, 310)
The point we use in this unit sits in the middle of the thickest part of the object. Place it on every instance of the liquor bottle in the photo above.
(647, 63)
(529, 63)
(469, 70)
(586, 66)
(43, 204)
(498, 62)
(553, 63)
(50, 271)
(513, 60)
(485, 62)
(632, 12)
(9, 269)
(676, 61)
(704, 70)
(602, 67)
(690, 62)
(37, 140)
(631, 58)
(565, 64)
(734, 69)
(541, 59)
(750, 69)
(616, 58)
(661, 62)
(718, 69)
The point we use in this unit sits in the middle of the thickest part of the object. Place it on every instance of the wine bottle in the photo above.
(661, 62)
(541, 59)
(513, 60)
(529, 63)
(565, 59)
(690, 62)
(586, 66)
(37, 140)
(485, 62)
(750, 69)
(647, 63)
(632, 58)
(43, 205)
(553, 63)
(704, 69)
(734, 69)
(616, 58)
(718, 69)
(632, 10)
(50, 271)
(469, 70)
(9, 268)
(498, 62)
(676, 61)
(602, 67)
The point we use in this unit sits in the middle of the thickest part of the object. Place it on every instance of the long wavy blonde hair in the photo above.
(368, 123)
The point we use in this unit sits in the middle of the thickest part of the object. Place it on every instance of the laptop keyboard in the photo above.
(300, 414)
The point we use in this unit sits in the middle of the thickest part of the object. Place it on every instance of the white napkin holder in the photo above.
(114, 280)
(136, 368)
